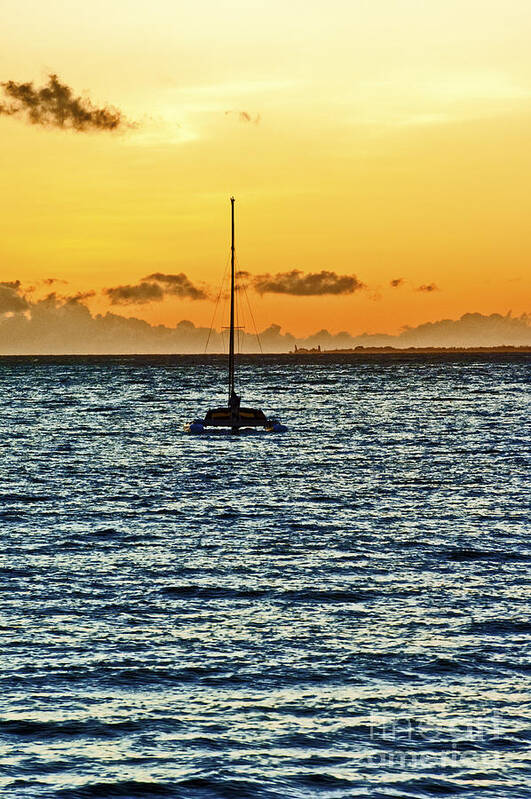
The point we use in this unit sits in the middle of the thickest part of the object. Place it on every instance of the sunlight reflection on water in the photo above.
(339, 611)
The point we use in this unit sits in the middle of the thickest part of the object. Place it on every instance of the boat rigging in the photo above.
(233, 415)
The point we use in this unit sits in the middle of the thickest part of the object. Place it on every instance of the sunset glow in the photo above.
(388, 140)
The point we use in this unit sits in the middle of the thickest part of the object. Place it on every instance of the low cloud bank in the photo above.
(64, 325)
(11, 301)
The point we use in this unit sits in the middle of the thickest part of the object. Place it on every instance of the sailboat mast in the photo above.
(231, 336)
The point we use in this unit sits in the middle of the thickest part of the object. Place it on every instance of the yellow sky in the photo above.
(393, 141)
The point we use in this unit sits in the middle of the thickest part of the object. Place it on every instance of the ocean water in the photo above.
(339, 611)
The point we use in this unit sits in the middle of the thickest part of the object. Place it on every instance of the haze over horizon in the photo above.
(379, 154)
(62, 323)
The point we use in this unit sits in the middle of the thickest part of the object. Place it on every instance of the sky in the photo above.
(378, 151)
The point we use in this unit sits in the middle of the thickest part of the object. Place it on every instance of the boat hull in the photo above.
(237, 420)
(236, 417)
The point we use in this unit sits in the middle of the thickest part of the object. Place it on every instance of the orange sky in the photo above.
(393, 141)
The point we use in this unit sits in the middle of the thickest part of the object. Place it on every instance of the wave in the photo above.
(200, 787)
(131, 789)
(310, 595)
(91, 728)
(27, 498)
(213, 592)
(468, 554)
(499, 626)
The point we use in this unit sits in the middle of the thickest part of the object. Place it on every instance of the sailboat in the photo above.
(234, 416)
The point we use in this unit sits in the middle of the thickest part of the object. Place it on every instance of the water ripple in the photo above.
(342, 611)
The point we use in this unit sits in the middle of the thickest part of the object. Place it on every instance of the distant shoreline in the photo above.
(293, 354)
(412, 350)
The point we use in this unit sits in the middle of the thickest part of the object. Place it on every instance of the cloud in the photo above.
(306, 285)
(396, 282)
(179, 285)
(11, 284)
(49, 281)
(11, 299)
(245, 116)
(55, 299)
(135, 295)
(54, 105)
(471, 330)
(428, 287)
(64, 325)
(154, 288)
(80, 296)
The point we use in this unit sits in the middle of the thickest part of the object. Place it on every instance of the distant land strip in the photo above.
(360, 350)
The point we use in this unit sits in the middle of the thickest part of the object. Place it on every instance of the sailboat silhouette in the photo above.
(233, 415)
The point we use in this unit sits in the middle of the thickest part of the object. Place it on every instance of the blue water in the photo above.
(340, 611)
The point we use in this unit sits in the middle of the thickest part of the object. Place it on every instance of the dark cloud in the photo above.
(245, 116)
(427, 287)
(80, 296)
(57, 299)
(138, 294)
(179, 285)
(54, 105)
(396, 282)
(11, 299)
(306, 285)
(49, 281)
(154, 288)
